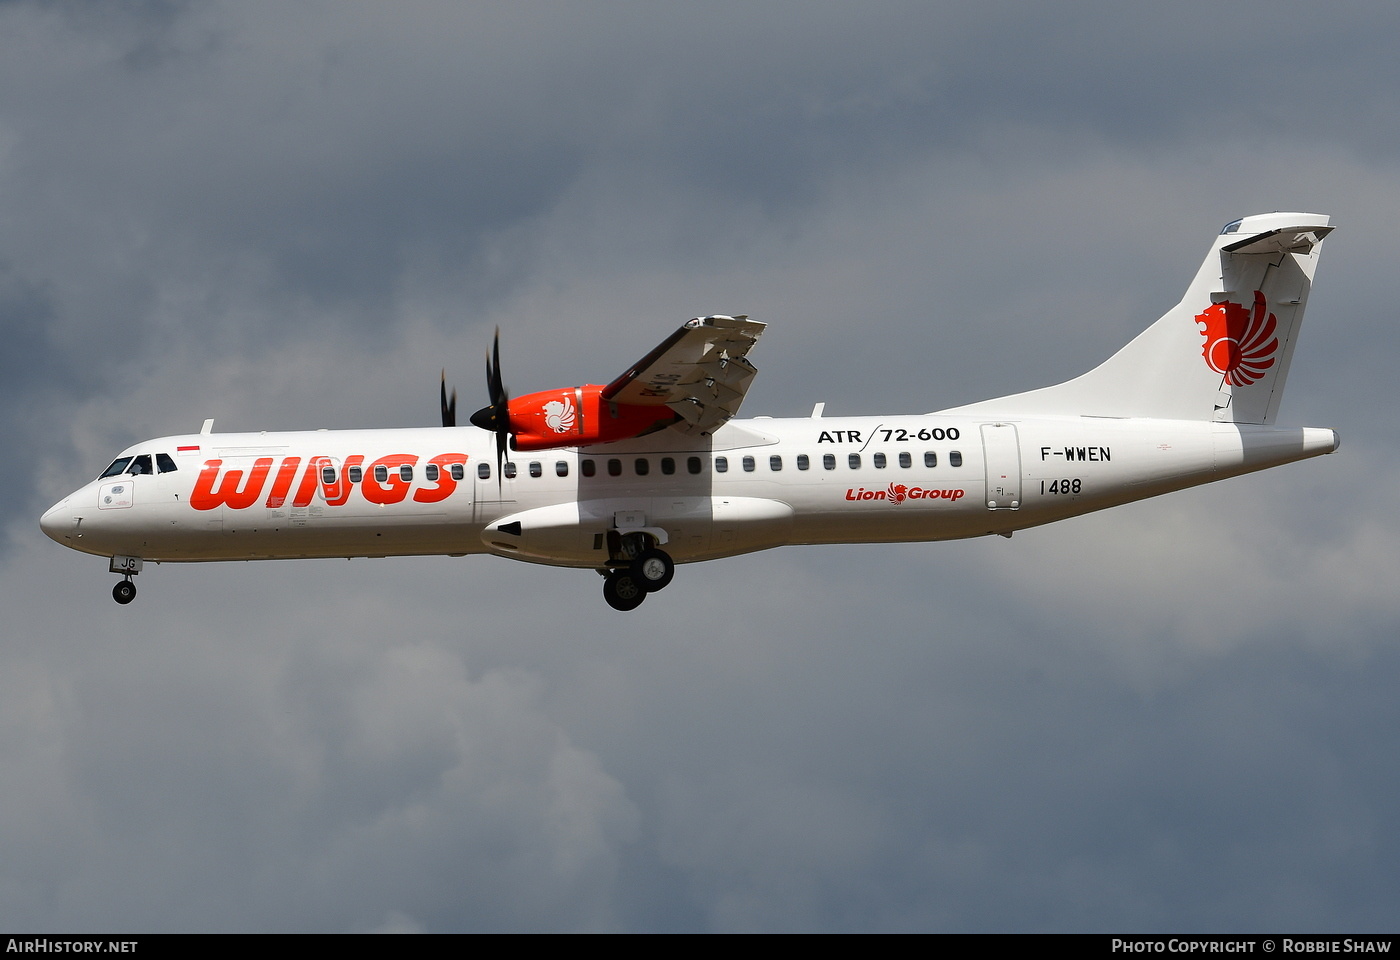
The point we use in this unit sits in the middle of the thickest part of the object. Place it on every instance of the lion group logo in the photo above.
(559, 415)
(898, 493)
(1239, 343)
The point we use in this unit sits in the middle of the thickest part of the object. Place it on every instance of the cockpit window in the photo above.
(140, 465)
(164, 464)
(118, 467)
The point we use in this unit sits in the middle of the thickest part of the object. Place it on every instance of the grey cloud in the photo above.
(1171, 716)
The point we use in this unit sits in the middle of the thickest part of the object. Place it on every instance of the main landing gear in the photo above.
(622, 590)
(638, 568)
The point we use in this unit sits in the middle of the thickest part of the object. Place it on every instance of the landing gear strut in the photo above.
(639, 567)
(125, 591)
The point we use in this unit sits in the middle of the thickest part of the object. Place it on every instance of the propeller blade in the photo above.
(502, 437)
(449, 407)
(494, 382)
(496, 415)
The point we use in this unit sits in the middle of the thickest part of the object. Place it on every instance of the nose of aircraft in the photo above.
(55, 521)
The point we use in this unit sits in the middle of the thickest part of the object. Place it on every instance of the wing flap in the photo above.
(701, 372)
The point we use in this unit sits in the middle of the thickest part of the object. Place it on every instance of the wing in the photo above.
(701, 372)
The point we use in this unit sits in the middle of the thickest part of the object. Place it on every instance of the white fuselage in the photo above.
(755, 484)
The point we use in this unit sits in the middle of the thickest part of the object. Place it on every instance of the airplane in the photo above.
(651, 469)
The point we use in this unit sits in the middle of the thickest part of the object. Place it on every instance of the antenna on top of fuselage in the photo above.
(208, 427)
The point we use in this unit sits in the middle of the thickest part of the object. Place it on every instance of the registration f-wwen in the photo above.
(651, 470)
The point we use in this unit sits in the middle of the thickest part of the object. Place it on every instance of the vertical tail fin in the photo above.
(1222, 353)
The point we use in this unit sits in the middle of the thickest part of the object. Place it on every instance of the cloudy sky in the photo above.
(1177, 715)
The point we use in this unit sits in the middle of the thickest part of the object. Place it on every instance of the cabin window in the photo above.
(775, 463)
(508, 470)
(642, 466)
(614, 468)
(693, 464)
(879, 461)
(748, 464)
(164, 463)
(955, 458)
(853, 461)
(535, 469)
(668, 466)
(588, 467)
(803, 462)
(406, 473)
(930, 458)
(355, 474)
(458, 471)
(721, 464)
(483, 471)
(430, 473)
(328, 474)
(117, 467)
(561, 468)
(140, 465)
(828, 461)
(905, 460)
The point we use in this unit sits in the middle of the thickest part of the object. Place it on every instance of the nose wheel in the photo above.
(125, 591)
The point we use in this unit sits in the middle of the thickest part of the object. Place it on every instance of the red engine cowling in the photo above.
(579, 416)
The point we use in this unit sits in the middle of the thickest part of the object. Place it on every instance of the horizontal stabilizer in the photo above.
(1284, 240)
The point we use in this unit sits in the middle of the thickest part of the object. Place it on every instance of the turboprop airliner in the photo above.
(651, 469)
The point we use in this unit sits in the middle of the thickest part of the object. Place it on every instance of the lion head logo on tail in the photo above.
(1240, 344)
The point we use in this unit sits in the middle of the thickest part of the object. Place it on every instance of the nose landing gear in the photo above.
(125, 591)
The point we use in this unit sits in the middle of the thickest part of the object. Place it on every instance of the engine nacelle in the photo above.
(578, 417)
